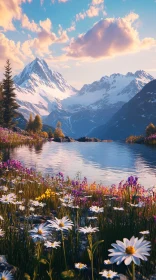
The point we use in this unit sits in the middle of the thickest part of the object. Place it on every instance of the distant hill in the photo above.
(132, 118)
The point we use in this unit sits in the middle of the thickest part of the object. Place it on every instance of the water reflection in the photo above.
(102, 162)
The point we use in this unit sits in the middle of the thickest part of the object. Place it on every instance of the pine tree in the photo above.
(9, 97)
(1, 104)
(37, 124)
(29, 126)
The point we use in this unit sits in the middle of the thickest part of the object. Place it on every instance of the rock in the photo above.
(87, 139)
(65, 139)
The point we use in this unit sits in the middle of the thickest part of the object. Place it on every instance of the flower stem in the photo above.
(133, 271)
(64, 250)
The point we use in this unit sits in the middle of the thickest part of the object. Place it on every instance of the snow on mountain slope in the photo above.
(96, 103)
(132, 118)
(39, 89)
(112, 89)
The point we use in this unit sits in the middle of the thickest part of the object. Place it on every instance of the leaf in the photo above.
(96, 244)
(44, 261)
(27, 277)
(89, 253)
(68, 274)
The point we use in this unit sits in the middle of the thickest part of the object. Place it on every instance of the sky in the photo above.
(82, 39)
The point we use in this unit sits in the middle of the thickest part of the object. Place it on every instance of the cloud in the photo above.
(109, 37)
(97, 2)
(60, 1)
(10, 50)
(91, 12)
(46, 24)
(45, 38)
(72, 27)
(10, 10)
(30, 25)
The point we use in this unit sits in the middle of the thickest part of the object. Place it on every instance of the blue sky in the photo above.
(82, 39)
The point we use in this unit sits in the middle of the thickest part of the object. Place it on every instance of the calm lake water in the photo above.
(105, 163)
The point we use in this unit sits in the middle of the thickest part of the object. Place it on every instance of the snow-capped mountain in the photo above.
(39, 89)
(96, 103)
(133, 117)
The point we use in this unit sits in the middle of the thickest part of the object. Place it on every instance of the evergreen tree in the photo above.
(1, 104)
(37, 124)
(150, 129)
(9, 97)
(29, 126)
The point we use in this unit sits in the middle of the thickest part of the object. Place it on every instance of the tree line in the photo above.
(9, 106)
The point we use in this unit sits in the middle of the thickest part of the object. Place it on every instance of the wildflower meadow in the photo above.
(57, 228)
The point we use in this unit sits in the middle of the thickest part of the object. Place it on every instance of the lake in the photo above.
(106, 163)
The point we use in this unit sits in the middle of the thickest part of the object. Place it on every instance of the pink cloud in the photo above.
(109, 37)
(10, 50)
(97, 2)
(46, 24)
(10, 10)
(93, 11)
(30, 25)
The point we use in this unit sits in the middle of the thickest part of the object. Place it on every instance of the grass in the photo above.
(46, 198)
(8, 138)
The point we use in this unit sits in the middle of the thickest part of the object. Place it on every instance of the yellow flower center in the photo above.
(61, 224)
(108, 275)
(40, 232)
(130, 250)
(80, 265)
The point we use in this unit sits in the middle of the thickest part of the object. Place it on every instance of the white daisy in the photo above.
(3, 259)
(61, 224)
(54, 244)
(1, 218)
(118, 208)
(21, 207)
(107, 262)
(108, 274)
(32, 209)
(2, 232)
(9, 198)
(130, 250)
(96, 209)
(40, 232)
(145, 232)
(92, 218)
(80, 265)
(87, 230)
(6, 275)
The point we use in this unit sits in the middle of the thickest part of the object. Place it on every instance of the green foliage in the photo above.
(135, 139)
(37, 124)
(150, 129)
(29, 126)
(9, 97)
(58, 125)
(34, 125)
(1, 104)
(58, 131)
(50, 134)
